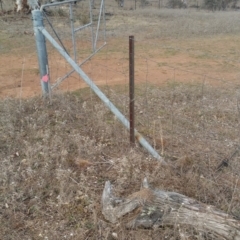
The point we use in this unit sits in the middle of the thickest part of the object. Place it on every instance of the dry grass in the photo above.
(162, 23)
(56, 158)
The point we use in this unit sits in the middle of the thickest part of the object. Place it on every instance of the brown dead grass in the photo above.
(56, 158)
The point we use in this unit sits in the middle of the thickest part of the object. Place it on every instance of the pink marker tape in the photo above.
(45, 78)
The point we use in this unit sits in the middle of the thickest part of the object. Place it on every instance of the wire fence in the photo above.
(185, 93)
(186, 87)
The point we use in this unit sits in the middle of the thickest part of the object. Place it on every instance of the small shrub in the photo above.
(176, 4)
(61, 12)
(219, 4)
(84, 18)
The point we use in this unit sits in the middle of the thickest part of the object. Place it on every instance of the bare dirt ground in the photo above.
(19, 74)
(161, 59)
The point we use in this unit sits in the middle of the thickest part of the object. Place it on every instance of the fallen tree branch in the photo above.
(160, 208)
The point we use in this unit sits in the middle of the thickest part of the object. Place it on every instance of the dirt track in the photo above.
(195, 59)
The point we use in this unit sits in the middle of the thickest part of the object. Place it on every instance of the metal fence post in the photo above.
(73, 32)
(41, 51)
(131, 89)
(101, 95)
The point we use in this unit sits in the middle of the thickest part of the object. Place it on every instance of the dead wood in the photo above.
(158, 208)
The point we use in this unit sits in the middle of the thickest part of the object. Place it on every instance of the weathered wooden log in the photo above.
(160, 208)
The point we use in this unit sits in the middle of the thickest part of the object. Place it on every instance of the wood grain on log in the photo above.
(160, 208)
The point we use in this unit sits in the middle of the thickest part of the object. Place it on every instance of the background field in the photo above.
(55, 158)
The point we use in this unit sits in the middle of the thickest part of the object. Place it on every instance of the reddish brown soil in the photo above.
(19, 75)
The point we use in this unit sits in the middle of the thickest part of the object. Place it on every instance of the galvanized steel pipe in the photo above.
(101, 95)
